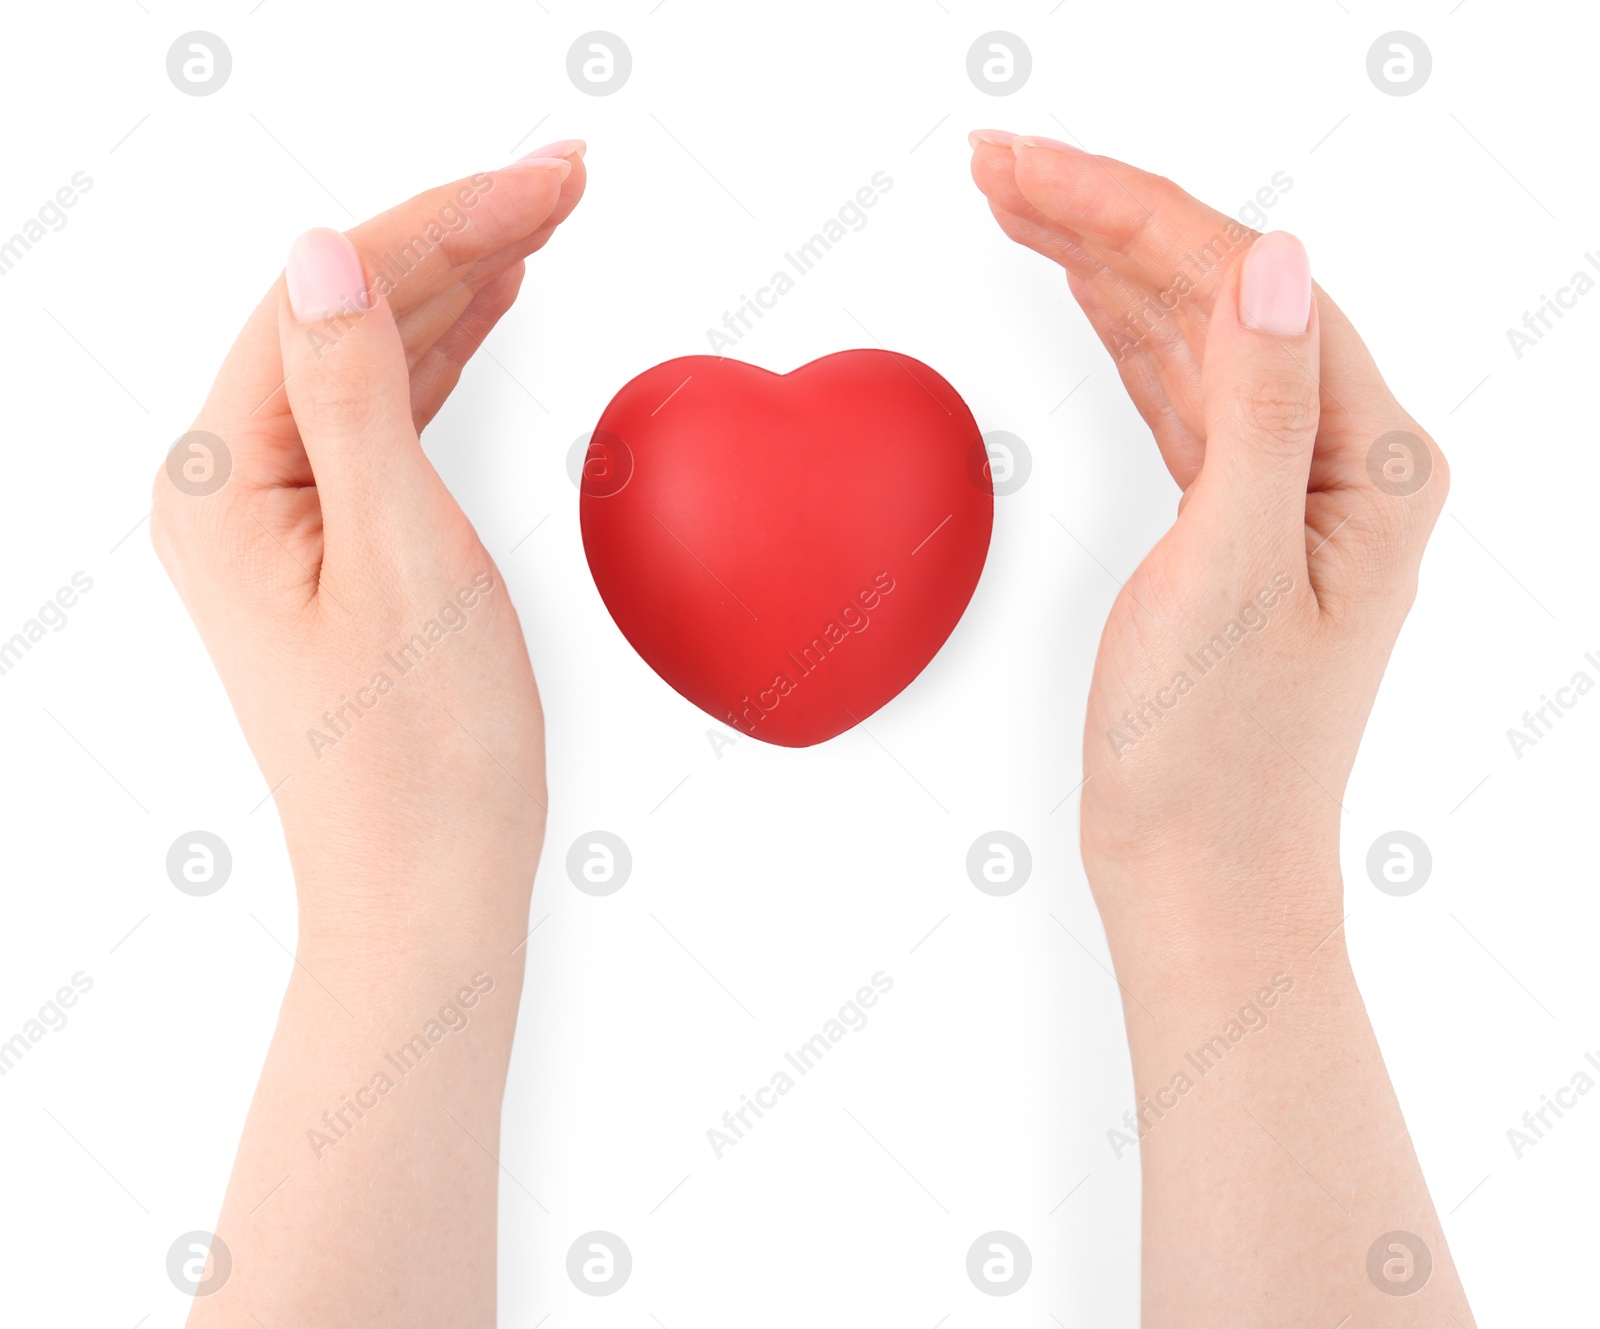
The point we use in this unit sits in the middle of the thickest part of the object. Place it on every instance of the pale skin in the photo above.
(1211, 840)
(415, 835)
(415, 824)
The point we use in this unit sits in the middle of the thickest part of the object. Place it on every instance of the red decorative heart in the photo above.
(788, 551)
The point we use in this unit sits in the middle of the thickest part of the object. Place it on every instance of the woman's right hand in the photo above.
(1234, 679)
(1242, 657)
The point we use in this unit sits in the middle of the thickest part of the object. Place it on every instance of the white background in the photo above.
(994, 1068)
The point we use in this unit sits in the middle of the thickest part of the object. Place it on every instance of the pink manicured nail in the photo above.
(567, 147)
(1275, 286)
(1054, 144)
(325, 277)
(559, 166)
(1000, 138)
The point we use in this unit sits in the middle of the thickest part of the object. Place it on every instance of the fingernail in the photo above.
(1275, 286)
(1000, 138)
(559, 166)
(567, 147)
(1054, 144)
(324, 276)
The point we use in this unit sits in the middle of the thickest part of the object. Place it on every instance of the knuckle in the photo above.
(1134, 233)
(1387, 532)
(343, 390)
(1439, 480)
(191, 533)
(163, 541)
(163, 520)
(1280, 415)
(1428, 477)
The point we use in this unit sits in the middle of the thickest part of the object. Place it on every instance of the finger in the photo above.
(1262, 404)
(1157, 235)
(1152, 232)
(994, 171)
(435, 375)
(1054, 244)
(1157, 364)
(422, 325)
(573, 152)
(349, 390)
(469, 231)
(1143, 225)
(1152, 357)
(439, 242)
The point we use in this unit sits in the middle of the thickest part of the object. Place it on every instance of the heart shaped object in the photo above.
(788, 551)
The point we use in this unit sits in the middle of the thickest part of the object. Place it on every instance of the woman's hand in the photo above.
(362, 631)
(379, 671)
(1234, 678)
(1242, 657)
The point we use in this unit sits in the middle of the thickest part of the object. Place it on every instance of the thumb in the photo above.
(1262, 395)
(349, 388)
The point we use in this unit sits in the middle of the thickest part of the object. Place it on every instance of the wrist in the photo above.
(1190, 1008)
(414, 935)
(1209, 923)
(345, 1004)
(377, 897)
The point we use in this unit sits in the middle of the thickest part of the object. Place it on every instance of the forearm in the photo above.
(381, 677)
(377, 1112)
(1273, 1147)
